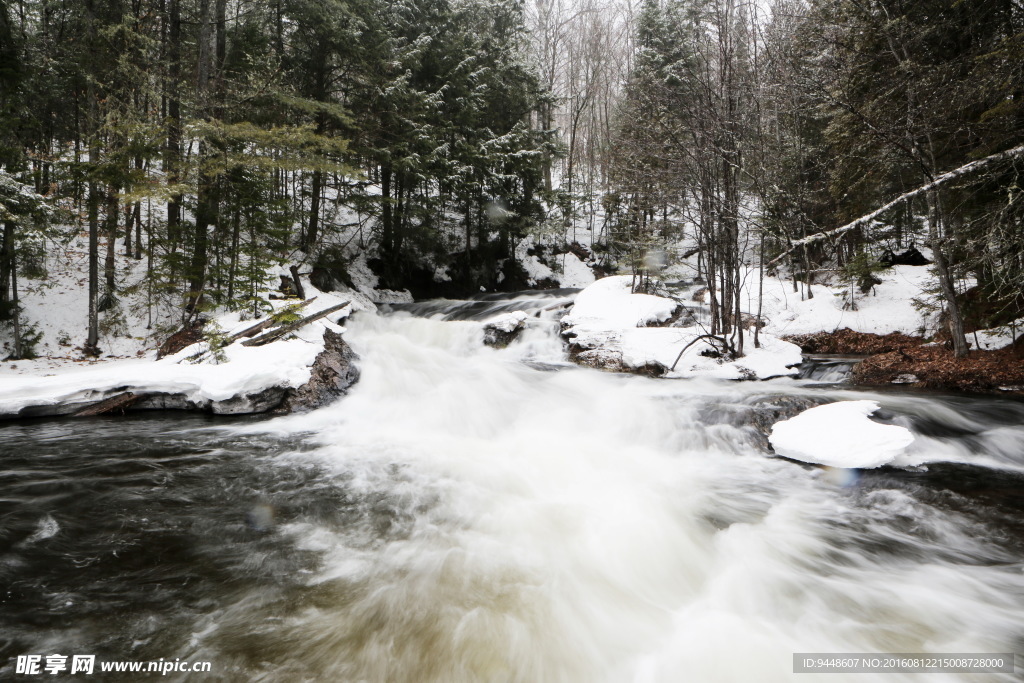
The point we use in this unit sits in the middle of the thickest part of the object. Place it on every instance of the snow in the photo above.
(998, 337)
(889, 307)
(248, 371)
(610, 303)
(614, 325)
(569, 270)
(575, 273)
(840, 435)
(507, 322)
(244, 371)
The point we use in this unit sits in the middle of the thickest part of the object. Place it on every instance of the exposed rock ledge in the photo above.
(332, 373)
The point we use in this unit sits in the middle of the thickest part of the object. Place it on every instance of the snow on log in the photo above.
(966, 169)
(279, 332)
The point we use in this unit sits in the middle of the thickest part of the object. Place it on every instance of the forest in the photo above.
(190, 149)
(448, 341)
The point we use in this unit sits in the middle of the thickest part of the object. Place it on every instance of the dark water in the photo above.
(115, 533)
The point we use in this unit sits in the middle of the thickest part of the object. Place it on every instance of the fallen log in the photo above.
(117, 403)
(263, 324)
(937, 182)
(279, 332)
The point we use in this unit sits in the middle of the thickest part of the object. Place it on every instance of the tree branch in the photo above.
(939, 181)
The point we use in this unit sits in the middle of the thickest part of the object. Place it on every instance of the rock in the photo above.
(765, 411)
(910, 257)
(580, 251)
(169, 402)
(333, 372)
(259, 402)
(604, 359)
(502, 330)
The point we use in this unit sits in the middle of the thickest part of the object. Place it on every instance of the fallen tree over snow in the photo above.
(937, 182)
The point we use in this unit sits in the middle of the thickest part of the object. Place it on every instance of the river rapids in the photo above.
(475, 514)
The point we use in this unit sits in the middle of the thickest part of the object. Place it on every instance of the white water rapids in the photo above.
(575, 525)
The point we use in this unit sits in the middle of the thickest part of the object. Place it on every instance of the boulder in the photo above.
(502, 330)
(333, 372)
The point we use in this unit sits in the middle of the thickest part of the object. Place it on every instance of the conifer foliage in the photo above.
(213, 139)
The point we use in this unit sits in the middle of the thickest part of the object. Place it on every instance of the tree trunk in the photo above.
(109, 264)
(92, 341)
(956, 323)
(312, 228)
(172, 153)
(16, 309)
(6, 265)
(387, 227)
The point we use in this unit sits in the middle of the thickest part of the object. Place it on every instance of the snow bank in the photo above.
(840, 435)
(998, 337)
(610, 327)
(889, 307)
(244, 372)
(610, 303)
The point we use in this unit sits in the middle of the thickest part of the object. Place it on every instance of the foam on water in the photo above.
(583, 526)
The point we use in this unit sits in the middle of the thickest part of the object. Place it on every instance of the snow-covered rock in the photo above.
(840, 435)
(503, 328)
(611, 304)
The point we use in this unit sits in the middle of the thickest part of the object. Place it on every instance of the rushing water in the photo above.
(471, 514)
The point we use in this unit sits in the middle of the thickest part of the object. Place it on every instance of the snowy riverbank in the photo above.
(237, 379)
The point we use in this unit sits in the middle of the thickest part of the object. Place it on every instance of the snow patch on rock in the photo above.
(840, 435)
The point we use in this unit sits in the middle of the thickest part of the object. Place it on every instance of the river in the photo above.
(472, 514)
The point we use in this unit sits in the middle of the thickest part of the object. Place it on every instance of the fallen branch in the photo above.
(264, 324)
(939, 181)
(119, 402)
(279, 332)
(726, 347)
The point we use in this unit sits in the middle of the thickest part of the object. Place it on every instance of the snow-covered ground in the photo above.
(193, 373)
(618, 326)
(888, 307)
(998, 337)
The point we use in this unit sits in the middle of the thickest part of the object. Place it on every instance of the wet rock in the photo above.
(765, 411)
(501, 331)
(247, 404)
(334, 371)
